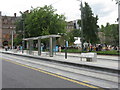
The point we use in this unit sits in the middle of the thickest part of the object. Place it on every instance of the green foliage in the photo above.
(90, 27)
(40, 21)
(111, 34)
(114, 52)
(18, 41)
(79, 23)
(72, 50)
(72, 34)
(44, 21)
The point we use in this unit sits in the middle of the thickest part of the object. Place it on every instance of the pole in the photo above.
(12, 39)
(55, 46)
(23, 42)
(65, 49)
(51, 47)
(39, 46)
(119, 19)
(82, 26)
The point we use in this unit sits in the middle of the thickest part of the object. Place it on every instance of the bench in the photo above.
(89, 56)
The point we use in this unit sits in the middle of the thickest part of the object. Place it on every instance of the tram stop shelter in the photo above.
(52, 38)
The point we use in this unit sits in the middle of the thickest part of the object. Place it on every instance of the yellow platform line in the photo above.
(40, 70)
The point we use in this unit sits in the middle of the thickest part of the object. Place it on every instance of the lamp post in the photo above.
(12, 39)
(23, 42)
(23, 31)
(81, 24)
(119, 17)
(12, 33)
(118, 2)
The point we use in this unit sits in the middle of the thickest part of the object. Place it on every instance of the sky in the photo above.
(107, 10)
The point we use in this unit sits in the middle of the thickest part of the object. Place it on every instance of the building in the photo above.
(7, 26)
(71, 25)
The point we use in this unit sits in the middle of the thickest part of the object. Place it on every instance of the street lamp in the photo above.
(81, 24)
(119, 18)
(23, 42)
(118, 2)
(12, 36)
(23, 32)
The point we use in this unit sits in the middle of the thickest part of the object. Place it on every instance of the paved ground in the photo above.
(103, 61)
(93, 77)
(16, 76)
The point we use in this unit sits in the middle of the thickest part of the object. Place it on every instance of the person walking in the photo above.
(6, 48)
(60, 49)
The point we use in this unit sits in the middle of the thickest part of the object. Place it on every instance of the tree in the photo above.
(41, 21)
(90, 27)
(44, 21)
(115, 35)
(72, 34)
(111, 34)
(20, 28)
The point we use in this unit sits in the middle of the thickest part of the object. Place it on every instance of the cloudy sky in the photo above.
(106, 10)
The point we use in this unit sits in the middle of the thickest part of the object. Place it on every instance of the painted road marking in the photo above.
(58, 73)
(85, 81)
(62, 77)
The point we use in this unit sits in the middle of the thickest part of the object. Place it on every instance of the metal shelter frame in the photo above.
(30, 43)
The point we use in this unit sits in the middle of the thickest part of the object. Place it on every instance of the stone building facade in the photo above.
(71, 25)
(7, 25)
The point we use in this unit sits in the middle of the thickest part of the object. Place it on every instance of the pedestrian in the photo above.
(6, 48)
(91, 47)
(18, 48)
(21, 48)
(60, 49)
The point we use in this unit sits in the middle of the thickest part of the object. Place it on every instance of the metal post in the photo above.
(51, 47)
(82, 26)
(30, 46)
(27, 46)
(22, 46)
(39, 46)
(118, 2)
(12, 39)
(54, 45)
(119, 19)
(23, 42)
(65, 49)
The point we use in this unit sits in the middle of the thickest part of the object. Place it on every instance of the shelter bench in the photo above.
(89, 56)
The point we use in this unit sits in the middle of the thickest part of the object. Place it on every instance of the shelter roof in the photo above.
(41, 37)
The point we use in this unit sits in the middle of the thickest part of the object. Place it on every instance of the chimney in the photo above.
(15, 14)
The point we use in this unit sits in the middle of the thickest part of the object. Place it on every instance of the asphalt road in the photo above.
(17, 76)
(82, 77)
